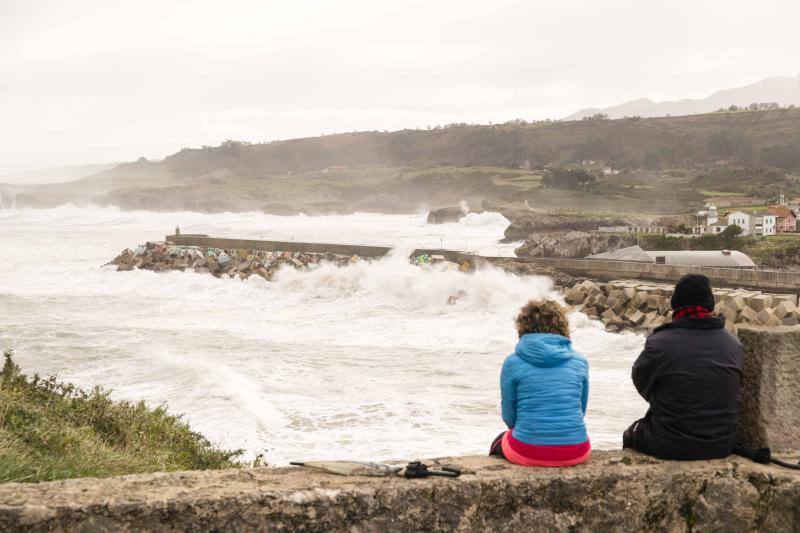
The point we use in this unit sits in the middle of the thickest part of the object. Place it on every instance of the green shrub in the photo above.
(52, 430)
(729, 239)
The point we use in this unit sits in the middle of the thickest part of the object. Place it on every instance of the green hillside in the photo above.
(656, 165)
(768, 138)
(52, 430)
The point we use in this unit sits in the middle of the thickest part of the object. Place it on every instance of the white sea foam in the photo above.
(365, 361)
(487, 218)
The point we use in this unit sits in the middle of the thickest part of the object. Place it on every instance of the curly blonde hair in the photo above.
(542, 316)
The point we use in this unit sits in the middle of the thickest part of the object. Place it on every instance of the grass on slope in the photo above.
(51, 430)
(778, 252)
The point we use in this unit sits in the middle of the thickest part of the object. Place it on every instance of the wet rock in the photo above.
(445, 215)
(591, 312)
(573, 295)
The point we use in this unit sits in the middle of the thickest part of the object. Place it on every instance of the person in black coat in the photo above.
(689, 373)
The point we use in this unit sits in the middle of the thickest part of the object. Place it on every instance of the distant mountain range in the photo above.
(784, 90)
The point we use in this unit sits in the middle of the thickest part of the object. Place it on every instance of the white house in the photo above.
(758, 223)
(743, 220)
(769, 224)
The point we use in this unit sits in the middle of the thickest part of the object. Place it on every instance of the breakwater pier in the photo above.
(623, 295)
(772, 281)
(769, 281)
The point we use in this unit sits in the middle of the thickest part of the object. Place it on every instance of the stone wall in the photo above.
(764, 280)
(614, 492)
(269, 246)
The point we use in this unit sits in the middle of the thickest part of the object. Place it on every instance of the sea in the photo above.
(366, 361)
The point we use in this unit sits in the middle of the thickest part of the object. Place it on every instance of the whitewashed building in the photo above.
(757, 224)
(769, 224)
(743, 220)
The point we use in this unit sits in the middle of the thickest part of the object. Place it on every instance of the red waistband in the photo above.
(550, 452)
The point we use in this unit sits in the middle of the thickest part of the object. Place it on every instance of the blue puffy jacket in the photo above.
(545, 388)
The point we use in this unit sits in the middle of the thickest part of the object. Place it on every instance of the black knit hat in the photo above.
(693, 289)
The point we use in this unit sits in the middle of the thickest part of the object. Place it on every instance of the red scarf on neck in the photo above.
(691, 311)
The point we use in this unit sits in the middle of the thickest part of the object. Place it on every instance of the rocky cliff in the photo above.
(523, 226)
(573, 244)
(444, 215)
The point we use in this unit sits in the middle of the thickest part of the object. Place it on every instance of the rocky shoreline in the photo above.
(525, 225)
(634, 305)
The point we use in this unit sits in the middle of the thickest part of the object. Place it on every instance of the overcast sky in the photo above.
(105, 80)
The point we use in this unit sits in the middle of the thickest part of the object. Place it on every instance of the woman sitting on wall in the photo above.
(545, 389)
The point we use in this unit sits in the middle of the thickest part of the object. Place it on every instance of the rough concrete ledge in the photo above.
(615, 491)
(770, 395)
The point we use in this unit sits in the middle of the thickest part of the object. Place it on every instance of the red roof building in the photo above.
(786, 218)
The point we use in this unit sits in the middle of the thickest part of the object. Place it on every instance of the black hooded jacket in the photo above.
(689, 373)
